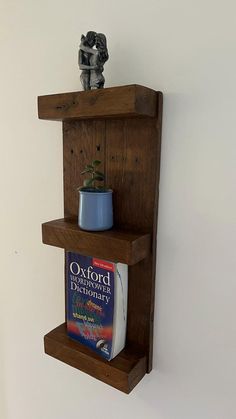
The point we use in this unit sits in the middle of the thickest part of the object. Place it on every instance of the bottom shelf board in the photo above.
(123, 372)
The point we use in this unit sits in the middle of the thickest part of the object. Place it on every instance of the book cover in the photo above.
(97, 303)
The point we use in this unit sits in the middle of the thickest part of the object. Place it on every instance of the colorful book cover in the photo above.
(90, 302)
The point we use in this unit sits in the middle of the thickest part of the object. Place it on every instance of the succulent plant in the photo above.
(94, 177)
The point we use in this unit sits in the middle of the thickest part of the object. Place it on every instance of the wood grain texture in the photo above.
(83, 142)
(123, 372)
(130, 149)
(115, 245)
(133, 167)
(122, 101)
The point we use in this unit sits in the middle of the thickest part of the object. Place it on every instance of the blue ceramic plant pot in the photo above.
(95, 210)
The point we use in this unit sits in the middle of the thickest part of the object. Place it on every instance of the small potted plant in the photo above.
(95, 201)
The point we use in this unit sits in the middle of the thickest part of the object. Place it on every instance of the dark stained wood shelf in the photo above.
(115, 245)
(121, 126)
(123, 372)
(124, 101)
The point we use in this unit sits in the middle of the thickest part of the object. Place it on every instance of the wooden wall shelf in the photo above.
(115, 245)
(121, 126)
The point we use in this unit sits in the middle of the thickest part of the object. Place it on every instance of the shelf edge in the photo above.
(89, 243)
(92, 365)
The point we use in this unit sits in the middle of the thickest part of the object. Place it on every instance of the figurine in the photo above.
(91, 60)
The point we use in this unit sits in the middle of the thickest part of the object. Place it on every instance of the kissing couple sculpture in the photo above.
(91, 60)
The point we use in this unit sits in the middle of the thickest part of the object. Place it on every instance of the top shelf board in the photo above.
(113, 102)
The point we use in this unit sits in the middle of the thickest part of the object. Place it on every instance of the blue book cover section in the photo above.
(90, 302)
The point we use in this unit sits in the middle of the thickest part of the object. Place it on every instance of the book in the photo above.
(97, 292)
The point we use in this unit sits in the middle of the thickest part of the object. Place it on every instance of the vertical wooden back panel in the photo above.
(130, 151)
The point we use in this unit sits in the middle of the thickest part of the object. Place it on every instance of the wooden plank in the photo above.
(123, 101)
(123, 372)
(115, 245)
(133, 167)
(83, 142)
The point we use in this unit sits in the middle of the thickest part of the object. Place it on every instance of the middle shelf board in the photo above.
(115, 245)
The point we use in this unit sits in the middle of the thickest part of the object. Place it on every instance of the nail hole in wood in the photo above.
(98, 147)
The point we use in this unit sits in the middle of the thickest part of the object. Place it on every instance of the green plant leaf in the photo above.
(89, 166)
(99, 174)
(86, 171)
(88, 182)
(100, 178)
(96, 163)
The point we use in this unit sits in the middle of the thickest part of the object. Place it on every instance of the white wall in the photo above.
(187, 49)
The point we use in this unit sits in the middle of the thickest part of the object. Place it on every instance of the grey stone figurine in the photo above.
(92, 60)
